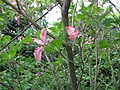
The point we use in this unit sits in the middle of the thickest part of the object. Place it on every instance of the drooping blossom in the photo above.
(38, 53)
(72, 32)
(42, 37)
(41, 42)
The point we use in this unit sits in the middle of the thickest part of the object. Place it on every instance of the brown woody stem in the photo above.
(65, 20)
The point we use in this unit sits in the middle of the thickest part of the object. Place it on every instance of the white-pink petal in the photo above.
(70, 29)
(38, 41)
(72, 32)
(38, 53)
(43, 34)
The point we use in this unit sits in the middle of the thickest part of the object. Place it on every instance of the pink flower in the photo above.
(13, 2)
(72, 32)
(42, 37)
(38, 51)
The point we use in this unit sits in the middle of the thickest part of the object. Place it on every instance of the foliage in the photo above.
(96, 52)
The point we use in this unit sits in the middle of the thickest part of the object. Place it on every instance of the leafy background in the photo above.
(101, 59)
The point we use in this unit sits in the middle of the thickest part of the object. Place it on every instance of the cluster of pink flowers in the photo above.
(72, 32)
(38, 51)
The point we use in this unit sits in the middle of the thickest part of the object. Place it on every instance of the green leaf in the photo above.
(5, 55)
(102, 16)
(83, 11)
(57, 42)
(54, 29)
(27, 39)
(103, 43)
(38, 34)
(90, 7)
(49, 49)
(109, 22)
(5, 39)
(12, 51)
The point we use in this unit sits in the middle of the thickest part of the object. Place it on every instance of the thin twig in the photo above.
(96, 69)
(73, 15)
(114, 6)
(53, 71)
(18, 4)
(60, 2)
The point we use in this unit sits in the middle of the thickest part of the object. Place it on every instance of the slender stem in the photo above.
(18, 4)
(109, 60)
(53, 72)
(110, 63)
(90, 74)
(96, 69)
(17, 76)
(73, 15)
(60, 2)
(82, 71)
(114, 6)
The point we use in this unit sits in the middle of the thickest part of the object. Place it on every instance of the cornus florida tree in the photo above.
(89, 62)
(38, 51)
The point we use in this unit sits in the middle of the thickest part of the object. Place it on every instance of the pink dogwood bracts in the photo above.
(38, 51)
(72, 32)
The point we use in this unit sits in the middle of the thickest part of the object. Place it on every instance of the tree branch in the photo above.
(23, 14)
(65, 9)
(28, 18)
(96, 68)
(65, 20)
(73, 15)
(114, 6)
(18, 4)
(60, 2)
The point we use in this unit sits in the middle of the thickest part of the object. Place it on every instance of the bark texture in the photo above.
(65, 20)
